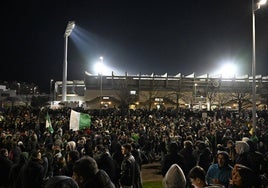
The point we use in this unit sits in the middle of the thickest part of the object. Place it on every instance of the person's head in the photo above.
(57, 145)
(73, 156)
(70, 146)
(126, 148)
(241, 147)
(24, 156)
(173, 147)
(201, 145)
(4, 152)
(36, 155)
(242, 176)
(230, 144)
(188, 144)
(222, 158)
(61, 182)
(197, 176)
(84, 169)
(252, 145)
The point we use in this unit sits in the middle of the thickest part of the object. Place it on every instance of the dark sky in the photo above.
(139, 36)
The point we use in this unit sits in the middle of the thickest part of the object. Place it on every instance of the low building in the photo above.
(164, 91)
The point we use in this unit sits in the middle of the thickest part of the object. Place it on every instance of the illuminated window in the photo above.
(159, 99)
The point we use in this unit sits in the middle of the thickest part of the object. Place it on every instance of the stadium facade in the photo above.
(164, 91)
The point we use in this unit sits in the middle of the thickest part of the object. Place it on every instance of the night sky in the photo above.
(139, 36)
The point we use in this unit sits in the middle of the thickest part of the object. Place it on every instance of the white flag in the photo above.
(79, 120)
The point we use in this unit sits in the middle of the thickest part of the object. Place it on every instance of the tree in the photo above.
(241, 95)
(222, 99)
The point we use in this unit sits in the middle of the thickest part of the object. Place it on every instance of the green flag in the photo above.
(48, 124)
(79, 121)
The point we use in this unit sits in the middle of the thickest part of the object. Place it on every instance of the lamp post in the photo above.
(67, 33)
(195, 92)
(50, 90)
(255, 7)
(18, 93)
(101, 66)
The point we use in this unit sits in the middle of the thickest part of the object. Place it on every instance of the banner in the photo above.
(79, 121)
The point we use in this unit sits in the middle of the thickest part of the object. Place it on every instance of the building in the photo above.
(164, 91)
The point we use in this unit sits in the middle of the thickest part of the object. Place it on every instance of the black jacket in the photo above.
(100, 180)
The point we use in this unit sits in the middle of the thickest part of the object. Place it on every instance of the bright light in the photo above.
(101, 68)
(262, 2)
(69, 28)
(227, 70)
(98, 68)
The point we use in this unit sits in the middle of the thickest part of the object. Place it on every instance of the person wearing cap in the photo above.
(220, 172)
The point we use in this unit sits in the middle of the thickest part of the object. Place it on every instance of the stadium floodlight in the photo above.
(255, 7)
(68, 31)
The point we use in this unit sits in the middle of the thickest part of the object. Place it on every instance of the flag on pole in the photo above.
(48, 124)
(79, 121)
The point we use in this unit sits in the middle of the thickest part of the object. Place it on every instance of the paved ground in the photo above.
(151, 172)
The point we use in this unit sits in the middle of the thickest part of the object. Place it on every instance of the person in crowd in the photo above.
(47, 157)
(197, 176)
(105, 161)
(242, 177)
(256, 162)
(72, 156)
(15, 151)
(61, 182)
(204, 155)
(58, 159)
(136, 153)
(130, 172)
(87, 174)
(226, 137)
(5, 168)
(172, 157)
(242, 151)
(118, 157)
(189, 158)
(220, 172)
(33, 172)
(174, 178)
(163, 146)
(70, 146)
(15, 170)
(230, 148)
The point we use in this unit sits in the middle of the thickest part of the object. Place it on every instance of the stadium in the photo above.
(164, 91)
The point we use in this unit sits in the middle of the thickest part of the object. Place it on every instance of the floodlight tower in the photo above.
(255, 7)
(68, 31)
(101, 66)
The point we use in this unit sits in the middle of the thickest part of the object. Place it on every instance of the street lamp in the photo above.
(18, 93)
(50, 90)
(255, 7)
(101, 66)
(67, 33)
(195, 92)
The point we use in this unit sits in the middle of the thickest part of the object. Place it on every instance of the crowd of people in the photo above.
(195, 149)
